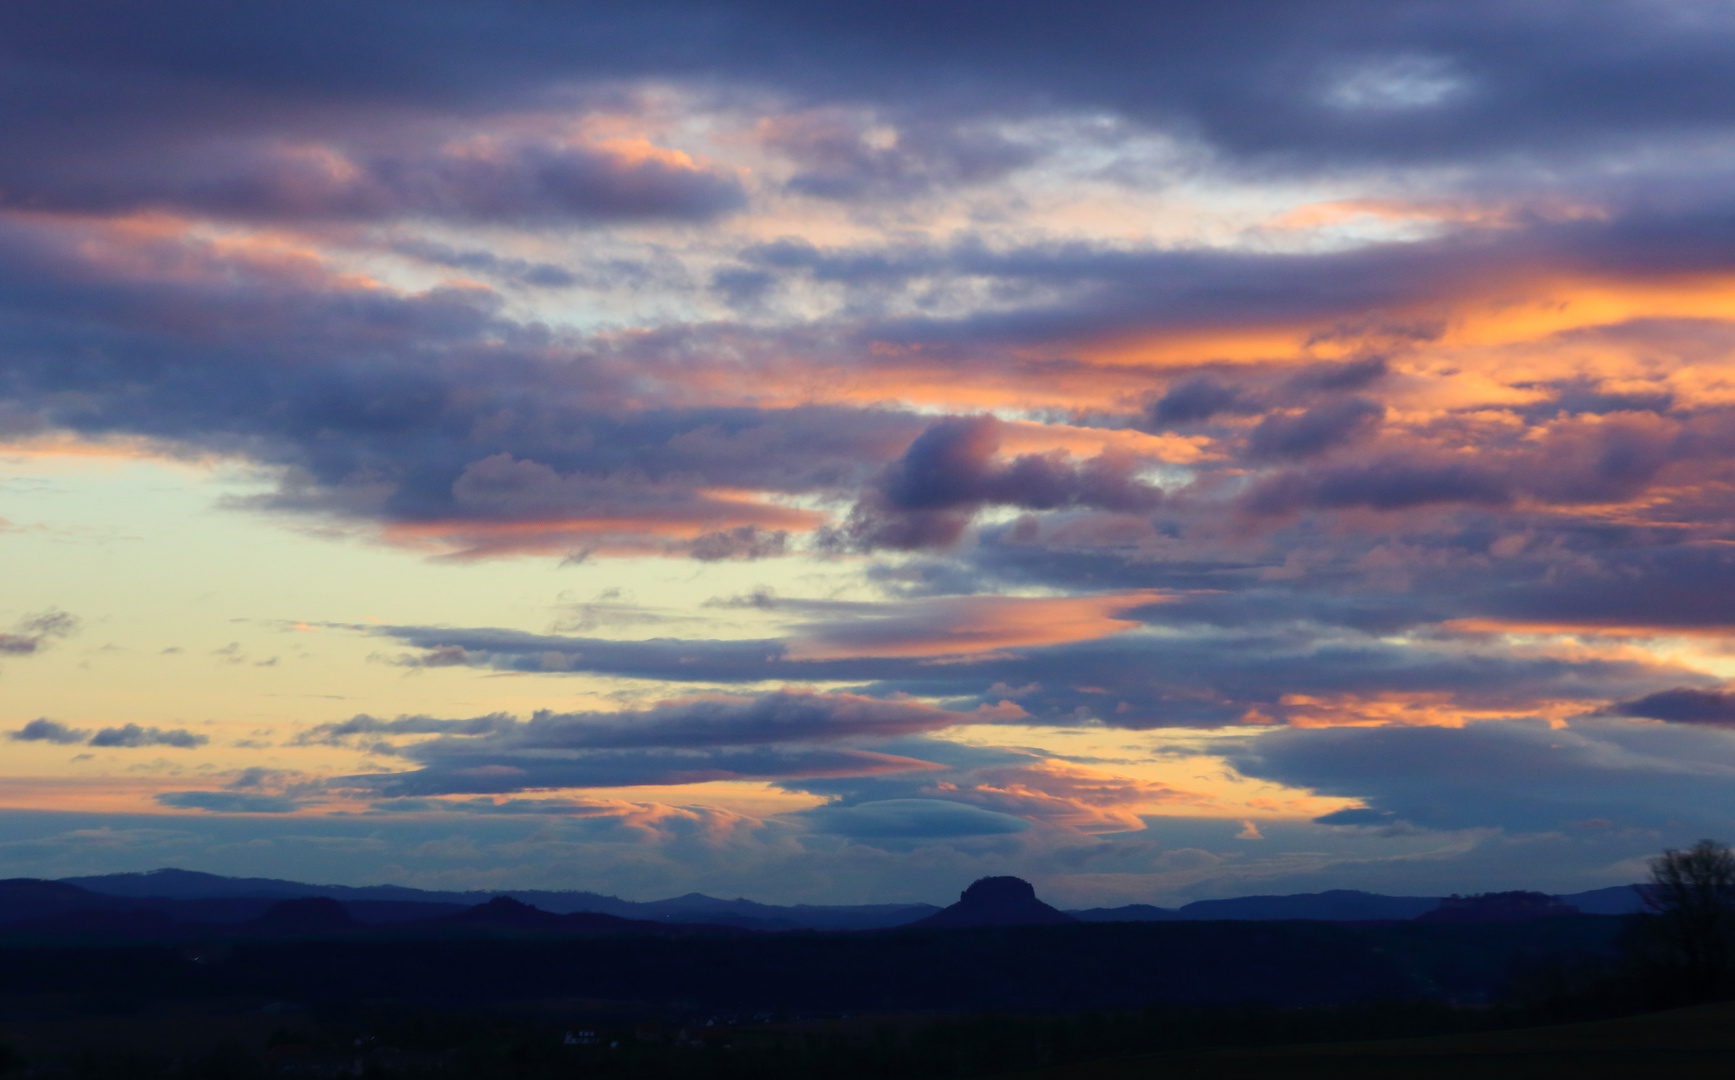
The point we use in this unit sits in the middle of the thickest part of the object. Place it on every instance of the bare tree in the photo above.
(1692, 893)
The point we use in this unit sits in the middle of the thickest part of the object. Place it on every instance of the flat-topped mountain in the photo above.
(996, 901)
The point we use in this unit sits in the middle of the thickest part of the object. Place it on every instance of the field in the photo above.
(1681, 1044)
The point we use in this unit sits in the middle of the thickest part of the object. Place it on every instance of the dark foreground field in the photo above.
(1029, 968)
(531, 1043)
(1682, 1044)
(506, 994)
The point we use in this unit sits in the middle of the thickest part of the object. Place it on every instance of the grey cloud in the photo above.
(1322, 82)
(1522, 776)
(781, 734)
(228, 802)
(334, 734)
(132, 735)
(780, 717)
(43, 729)
(843, 155)
(1393, 484)
(905, 819)
(1683, 706)
(1351, 375)
(525, 183)
(520, 271)
(947, 474)
(1223, 656)
(35, 632)
(455, 772)
(1195, 400)
(743, 542)
(1321, 428)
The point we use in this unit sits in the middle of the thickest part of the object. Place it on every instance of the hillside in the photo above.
(1683, 1044)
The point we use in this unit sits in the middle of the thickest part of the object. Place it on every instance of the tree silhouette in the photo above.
(1692, 896)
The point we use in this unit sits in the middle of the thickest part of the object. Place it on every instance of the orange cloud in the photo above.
(1403, 709)
(1066, 795)
(968, 626)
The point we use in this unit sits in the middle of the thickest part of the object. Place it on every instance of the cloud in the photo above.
(687, 741)
(35, 632)
(966, 626)
(227, 802)
(906, 819)
(453, 771)
(1196, 400)
(46, 730)
(1683, 706)
(132, 735)
(1316, 430)
(335, 734)
(845, 155)
(1520, 776)
(783, 716)
(927, 498)
(484, 180)
(1390, 485)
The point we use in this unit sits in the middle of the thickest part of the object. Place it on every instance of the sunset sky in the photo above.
(830, 452)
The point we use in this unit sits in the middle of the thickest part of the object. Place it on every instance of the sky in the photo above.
(831, 453)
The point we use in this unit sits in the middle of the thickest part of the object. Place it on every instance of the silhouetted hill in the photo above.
(380, 903)
(1336, 905)
(1342, 905)
(1127, 913)
(996, 901)
(304, 915)
(31, 898)
(190, 896)
(504, 915)
(172, 884)
(1615, 900)
(1518, 906)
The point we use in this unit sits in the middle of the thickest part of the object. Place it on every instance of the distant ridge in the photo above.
(996, 901)
(397, 903)
(1341, 905)
(194, 896)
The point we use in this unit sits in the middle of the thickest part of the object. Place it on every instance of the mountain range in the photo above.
(187, 896)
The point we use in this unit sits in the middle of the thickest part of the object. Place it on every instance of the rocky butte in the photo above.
(996, 901)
